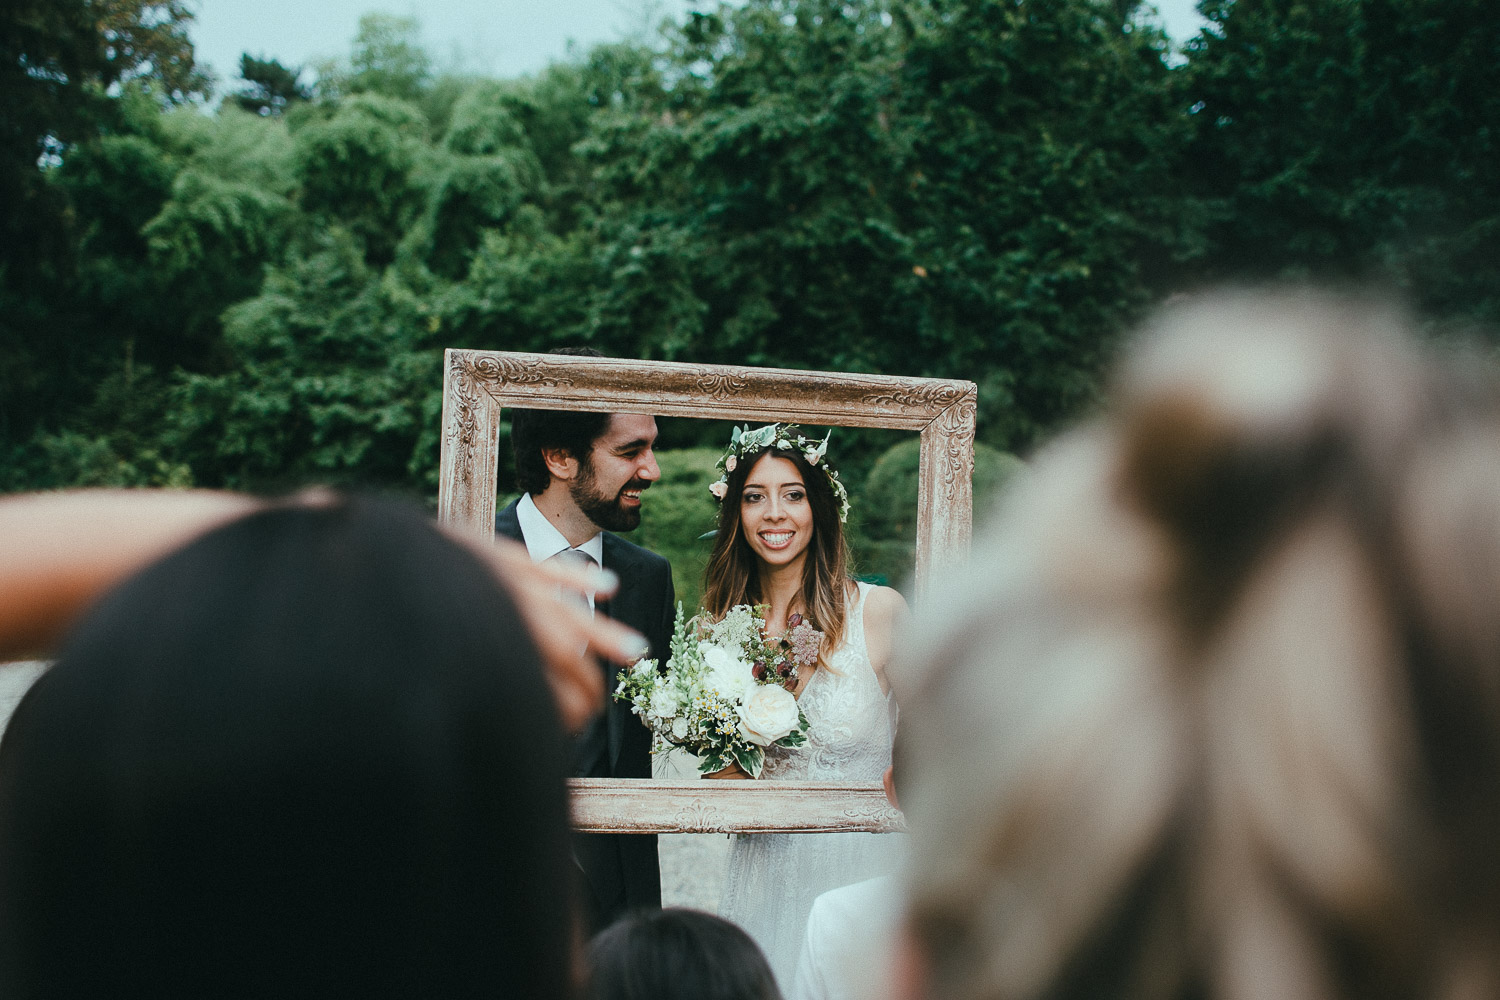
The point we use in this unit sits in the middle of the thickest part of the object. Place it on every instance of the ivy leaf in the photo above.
(750, 760)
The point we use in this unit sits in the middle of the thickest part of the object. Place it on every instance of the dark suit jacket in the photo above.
(621, 872)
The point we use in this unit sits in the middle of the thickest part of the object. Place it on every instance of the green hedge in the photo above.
(676, 510)
(883, 525)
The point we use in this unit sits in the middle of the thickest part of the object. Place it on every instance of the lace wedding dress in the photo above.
(773, 878)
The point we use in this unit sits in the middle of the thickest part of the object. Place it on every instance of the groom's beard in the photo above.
(608, 512)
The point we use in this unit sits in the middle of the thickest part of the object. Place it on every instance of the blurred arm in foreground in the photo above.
(60, 552)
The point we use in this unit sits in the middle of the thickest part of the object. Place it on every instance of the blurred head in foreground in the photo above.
(310, 754)
(677, 954)
(1216, 711)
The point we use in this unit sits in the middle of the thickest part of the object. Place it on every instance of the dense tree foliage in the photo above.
(1353, 139)
(258, 295)
(80, 81)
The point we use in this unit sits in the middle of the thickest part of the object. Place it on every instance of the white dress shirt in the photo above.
(543, 540)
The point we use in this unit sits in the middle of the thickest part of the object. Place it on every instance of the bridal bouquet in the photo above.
(724, 695)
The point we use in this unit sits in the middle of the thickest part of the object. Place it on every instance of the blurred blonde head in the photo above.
(1217, 712)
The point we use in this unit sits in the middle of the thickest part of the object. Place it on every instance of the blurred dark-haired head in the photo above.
(310, 754)
(677, 954)
(1231, 663)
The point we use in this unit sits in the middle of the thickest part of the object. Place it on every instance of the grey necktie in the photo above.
(577, 558)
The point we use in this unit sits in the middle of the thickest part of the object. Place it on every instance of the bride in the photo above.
(781, 543)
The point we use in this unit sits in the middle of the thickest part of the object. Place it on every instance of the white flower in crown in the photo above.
(730, 463)
(816, 452)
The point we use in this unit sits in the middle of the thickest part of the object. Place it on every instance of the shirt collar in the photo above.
(543, 540)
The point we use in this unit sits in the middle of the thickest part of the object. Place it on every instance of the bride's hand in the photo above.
(732, 771)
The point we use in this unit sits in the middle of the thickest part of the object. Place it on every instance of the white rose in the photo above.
(727, 674)
(679, 727)
(664, 703)
(768, 714)
(730, 463)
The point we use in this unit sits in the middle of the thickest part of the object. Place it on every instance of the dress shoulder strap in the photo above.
(864, 591)
(854, 618)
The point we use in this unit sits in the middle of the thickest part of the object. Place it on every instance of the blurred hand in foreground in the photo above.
(567, 635)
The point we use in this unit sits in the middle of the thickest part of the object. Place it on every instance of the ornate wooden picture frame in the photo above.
(477, 385)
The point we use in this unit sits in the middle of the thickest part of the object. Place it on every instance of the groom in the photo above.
(582, 475)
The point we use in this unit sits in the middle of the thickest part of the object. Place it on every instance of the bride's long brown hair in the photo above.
(733, 575)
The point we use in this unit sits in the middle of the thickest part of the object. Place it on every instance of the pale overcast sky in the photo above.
(495, 37)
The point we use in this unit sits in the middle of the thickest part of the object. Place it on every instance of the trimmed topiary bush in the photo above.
(884, 519)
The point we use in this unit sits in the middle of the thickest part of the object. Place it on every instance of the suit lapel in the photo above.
(508, 524)
(615, 712)
(599, 737)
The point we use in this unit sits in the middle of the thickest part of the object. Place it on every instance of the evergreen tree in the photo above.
(269, 88)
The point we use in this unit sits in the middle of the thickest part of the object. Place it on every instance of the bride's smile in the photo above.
(774, 512)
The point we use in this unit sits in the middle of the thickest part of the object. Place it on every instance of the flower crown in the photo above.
(781, 437)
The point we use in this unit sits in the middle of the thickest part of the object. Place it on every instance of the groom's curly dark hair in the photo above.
(532, 431)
